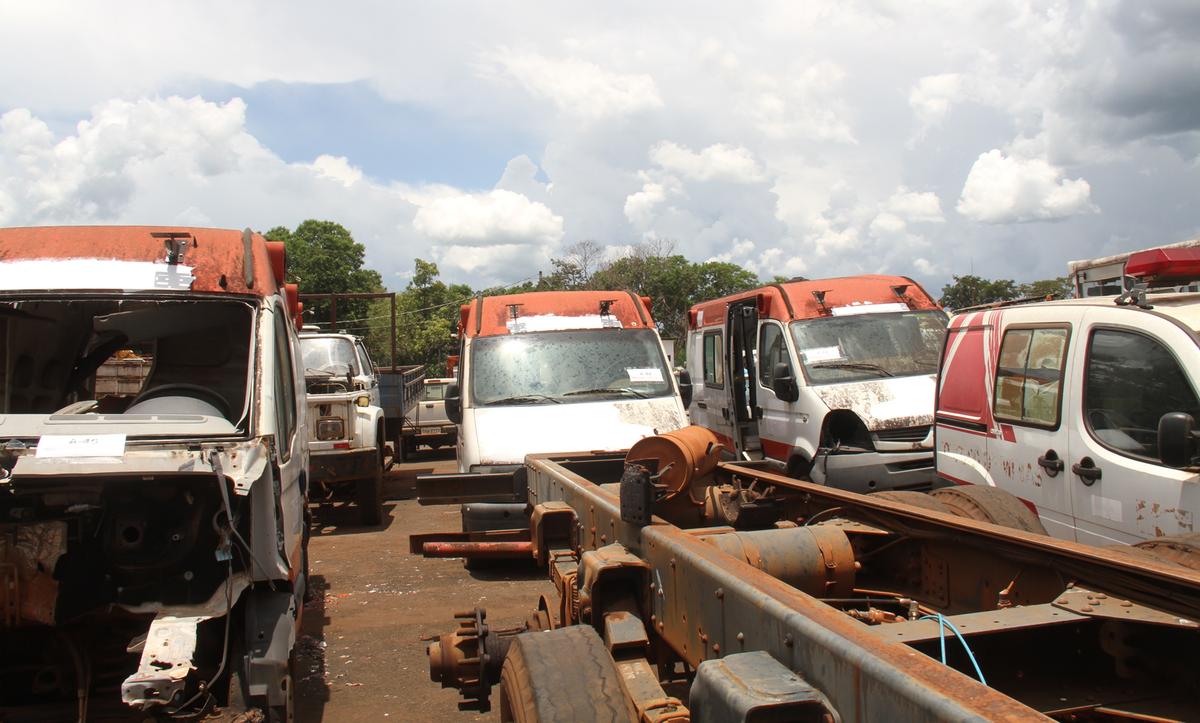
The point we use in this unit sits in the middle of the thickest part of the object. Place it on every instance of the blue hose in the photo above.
(943, 623)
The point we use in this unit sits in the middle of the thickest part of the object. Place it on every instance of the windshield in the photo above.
(568, 366)
(328, 354)
(83, 359)
(838, 349)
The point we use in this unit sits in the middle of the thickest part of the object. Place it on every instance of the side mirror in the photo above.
(685, 386)
(453, 404)
(783, 383)
(1176, 439)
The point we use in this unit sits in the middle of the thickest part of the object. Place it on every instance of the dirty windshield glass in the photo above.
(333, 355)
(568, 366)
(837, 349)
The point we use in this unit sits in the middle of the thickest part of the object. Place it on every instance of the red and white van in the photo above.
(1083, 408)
(833, 378)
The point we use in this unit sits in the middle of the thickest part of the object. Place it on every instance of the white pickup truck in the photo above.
(347, 430)
(428, 424)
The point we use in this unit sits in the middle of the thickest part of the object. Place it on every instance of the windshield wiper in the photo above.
(608, 390)
(523, 399)
(862, 366)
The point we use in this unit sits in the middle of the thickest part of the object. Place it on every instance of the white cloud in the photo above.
(640, 206)
(578, 87)
(932, 96)
(447, 215)
(1007, 189)
(914, 206)
(718, 162)
(337, 168)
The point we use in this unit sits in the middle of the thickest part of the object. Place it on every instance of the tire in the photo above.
(370, 492)
(916, 499)
(1183, 550)
(562, 676)
(988, 504)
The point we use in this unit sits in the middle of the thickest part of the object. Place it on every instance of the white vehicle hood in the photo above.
(506, 434)
(888, 403)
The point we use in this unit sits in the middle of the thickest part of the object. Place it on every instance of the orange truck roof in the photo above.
(217, 257)
(814, 298)
(545, 310)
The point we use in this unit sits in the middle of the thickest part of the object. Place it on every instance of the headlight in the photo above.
(363, 401)
(330, 429)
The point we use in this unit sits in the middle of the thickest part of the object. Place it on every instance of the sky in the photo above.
(818, 138)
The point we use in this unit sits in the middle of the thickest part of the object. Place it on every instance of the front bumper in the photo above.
(342, 465)
(866, 472)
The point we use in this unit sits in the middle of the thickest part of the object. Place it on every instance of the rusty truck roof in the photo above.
(217, 257)
(545, 310)
(812, 298)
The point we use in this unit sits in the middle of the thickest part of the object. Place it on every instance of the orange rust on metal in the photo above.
(794, 299)
(490, 315)
(683, 455)
(218, 254)
(478, 550)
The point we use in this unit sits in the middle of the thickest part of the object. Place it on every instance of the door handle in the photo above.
(1052, 463)
(1087, 471)
(702, 405)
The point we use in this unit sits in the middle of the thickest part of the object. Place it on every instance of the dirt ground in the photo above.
(361, 654)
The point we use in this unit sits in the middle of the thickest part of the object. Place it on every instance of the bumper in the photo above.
(342, 465)
(875, 471)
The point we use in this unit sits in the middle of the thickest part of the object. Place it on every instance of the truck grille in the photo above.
(903, 434)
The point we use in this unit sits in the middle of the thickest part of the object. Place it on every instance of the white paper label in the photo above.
(868, 308)
(96, 445)
(822, 353)
(650, 374)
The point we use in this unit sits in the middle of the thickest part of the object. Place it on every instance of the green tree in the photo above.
(427, 314)
(323, 258)
(1059, 287)
(971, 290)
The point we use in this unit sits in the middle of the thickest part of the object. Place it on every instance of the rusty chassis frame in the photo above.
(662, 593)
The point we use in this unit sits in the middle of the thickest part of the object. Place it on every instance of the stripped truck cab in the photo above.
(152, 532)
(1083, 408)
(558, 371)
(832, 378)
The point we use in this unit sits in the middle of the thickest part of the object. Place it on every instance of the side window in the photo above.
(714, 369)
(368, 366)
(285, 387)
(1131, 381)
(772, 350)
(1029, 376)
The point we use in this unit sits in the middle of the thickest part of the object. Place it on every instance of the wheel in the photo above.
(798, 467)
(195, 391)
(988, 504)
(370, 491)
(561, 676)
(916, 499)
(1182, 550)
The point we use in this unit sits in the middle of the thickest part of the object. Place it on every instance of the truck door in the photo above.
(370, 373)
(1135, 371)
(291, 435)
(779, 425)
(1028, 447)
(744, 411)
(710, 395)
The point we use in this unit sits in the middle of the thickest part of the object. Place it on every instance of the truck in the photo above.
(1084, 408)
(399, 385)
(690, 588)
(347, 435)
(429, 425)
(152, 528)
(552, 371)
(831, 379)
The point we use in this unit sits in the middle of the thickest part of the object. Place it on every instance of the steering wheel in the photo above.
(185, 390)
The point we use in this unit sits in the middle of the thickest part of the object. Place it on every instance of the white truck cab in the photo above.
(1083, 408)
(564, 371)
(832, 378)
(348, 432)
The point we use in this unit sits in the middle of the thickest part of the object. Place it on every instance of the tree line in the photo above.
(323, 257)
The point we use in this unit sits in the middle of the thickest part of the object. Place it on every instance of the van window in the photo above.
(434, 393)
(1029, 376)
(714, 370)
(772, 350)
(1132, 380)
(285, 387)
